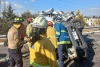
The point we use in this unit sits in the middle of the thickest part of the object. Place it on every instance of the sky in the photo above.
(86, 7)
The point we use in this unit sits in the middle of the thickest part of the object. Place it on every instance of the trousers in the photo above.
(15, 57)
(61, 51)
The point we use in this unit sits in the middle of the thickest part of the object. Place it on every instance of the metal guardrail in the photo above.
(3, 59)
(2, 36)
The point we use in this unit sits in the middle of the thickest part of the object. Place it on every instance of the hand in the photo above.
(26, 39)
(57, 39)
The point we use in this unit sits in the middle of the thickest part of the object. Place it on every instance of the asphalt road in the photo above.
(93, 53)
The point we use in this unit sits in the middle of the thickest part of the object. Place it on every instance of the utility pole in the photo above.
(4, 7)
(0, 8)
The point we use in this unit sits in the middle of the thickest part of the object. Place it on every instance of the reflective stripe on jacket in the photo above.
(62, 34)
(63, 42)
(37, 65)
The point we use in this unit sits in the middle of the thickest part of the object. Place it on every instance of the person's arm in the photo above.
(27, 31)
(18, 40)
(57, 28)
(56, 38)
(51, 54)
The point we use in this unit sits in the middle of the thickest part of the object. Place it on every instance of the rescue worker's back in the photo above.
(13, 40)
(44, 53)
(51, 35)
(62, 34)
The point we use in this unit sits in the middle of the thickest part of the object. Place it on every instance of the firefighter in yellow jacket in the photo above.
(42, 51)
(51, 34)
(29, 30)
(29, 27)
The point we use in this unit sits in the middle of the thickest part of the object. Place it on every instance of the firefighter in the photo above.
(63, 39)
(23, 31)
(29, 27)
(30, 19)
(42, 51)
(29, 30)
(51, 34)
(15, 43)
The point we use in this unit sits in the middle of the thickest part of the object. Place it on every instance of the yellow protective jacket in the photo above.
(29, 30)
(51, 34)
(43, 54)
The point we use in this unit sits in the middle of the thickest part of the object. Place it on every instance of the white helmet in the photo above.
(40, 22)
(58, 18)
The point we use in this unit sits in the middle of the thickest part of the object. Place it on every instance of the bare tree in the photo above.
(26, 14)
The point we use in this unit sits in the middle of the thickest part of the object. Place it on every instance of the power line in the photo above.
(4, 7)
